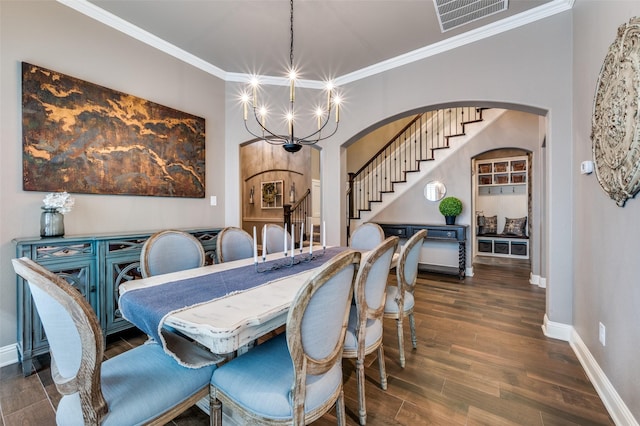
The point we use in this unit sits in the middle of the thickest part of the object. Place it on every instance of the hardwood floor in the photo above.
(482, 359)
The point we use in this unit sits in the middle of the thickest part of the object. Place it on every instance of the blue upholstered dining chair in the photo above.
(364, 332)
(234, 244)
(170, 251)
(141, 385)
(275, 239)
(400, 300)
(366, 236)
(296, 377)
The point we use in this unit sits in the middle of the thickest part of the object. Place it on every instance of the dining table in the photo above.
(223, 307)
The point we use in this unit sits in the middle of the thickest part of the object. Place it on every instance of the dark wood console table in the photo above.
(446, 233)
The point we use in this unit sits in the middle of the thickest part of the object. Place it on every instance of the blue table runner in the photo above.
(148, 307)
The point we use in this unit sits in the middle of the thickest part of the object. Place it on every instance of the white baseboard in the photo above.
(469, 272)
(556, 330)
(8, 355)
(616, 407)
(537, 280)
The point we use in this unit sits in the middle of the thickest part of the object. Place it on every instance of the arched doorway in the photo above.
(272, 180)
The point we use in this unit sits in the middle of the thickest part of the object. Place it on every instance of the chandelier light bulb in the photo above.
(319, 113)
(245, 100)
(254, 84)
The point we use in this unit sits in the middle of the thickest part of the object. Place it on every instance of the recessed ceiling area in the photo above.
(334, 39)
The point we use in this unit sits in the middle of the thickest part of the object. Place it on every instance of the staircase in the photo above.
(423, 143)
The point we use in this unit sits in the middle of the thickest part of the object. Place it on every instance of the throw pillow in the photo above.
(490, 225)
(515, 227)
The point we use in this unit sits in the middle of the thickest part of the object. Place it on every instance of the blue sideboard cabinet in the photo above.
(95, 265)
(456, 234)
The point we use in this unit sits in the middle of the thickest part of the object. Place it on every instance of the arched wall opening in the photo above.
(518, 127)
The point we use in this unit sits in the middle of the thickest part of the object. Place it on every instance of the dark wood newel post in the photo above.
(350, 195)
(287, 215)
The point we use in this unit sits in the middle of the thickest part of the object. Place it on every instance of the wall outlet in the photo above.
(602, 333)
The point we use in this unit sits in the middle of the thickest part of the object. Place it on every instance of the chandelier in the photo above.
(290, 141)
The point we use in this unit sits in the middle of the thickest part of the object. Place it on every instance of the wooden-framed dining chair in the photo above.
(143, 385)
(233, 244)
(275, 238)
(170, 251)
(296, 377)
(365, 329)
(366, 236)
(400, 300)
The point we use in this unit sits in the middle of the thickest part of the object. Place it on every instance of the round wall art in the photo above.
(615, 130)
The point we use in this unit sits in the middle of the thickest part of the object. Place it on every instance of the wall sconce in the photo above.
(251, 195)
(292, 193)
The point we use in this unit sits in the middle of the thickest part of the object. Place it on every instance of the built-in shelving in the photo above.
(501, 186)
(501, 174)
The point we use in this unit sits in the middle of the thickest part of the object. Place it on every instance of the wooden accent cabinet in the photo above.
(95, 265)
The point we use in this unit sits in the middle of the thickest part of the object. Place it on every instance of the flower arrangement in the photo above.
(62, 202)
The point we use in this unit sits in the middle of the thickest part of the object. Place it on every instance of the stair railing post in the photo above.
(287, 215)
(350, 194)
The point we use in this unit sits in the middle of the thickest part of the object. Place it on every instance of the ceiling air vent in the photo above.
(454, 13)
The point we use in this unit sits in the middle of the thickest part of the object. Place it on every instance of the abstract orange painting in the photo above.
(80, 137)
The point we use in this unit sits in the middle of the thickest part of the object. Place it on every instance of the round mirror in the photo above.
(434, 190)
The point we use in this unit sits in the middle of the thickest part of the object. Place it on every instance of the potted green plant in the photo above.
(450, 207)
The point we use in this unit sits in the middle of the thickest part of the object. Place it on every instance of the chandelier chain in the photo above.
(291, 33)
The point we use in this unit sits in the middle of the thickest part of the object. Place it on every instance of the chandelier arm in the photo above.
(326, 119)
(264, 129)
(307, 141)
(272, 136)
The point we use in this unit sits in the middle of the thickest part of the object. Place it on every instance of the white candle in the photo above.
(285, 239)
(264, 242)
(324, 234)
(293, 240)
(310, 237)
(301, 235)
(255, 246)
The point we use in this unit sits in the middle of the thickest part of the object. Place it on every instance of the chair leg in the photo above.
(399, 324)
(412, 323)
(215, 410)
(340, 414)
(383, 370)
(362, 408)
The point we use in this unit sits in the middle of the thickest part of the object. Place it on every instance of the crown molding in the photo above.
(524, 18)
(117, 23)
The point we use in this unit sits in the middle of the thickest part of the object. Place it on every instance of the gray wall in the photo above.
(530, 69)
(606, 237)
(54, 36)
